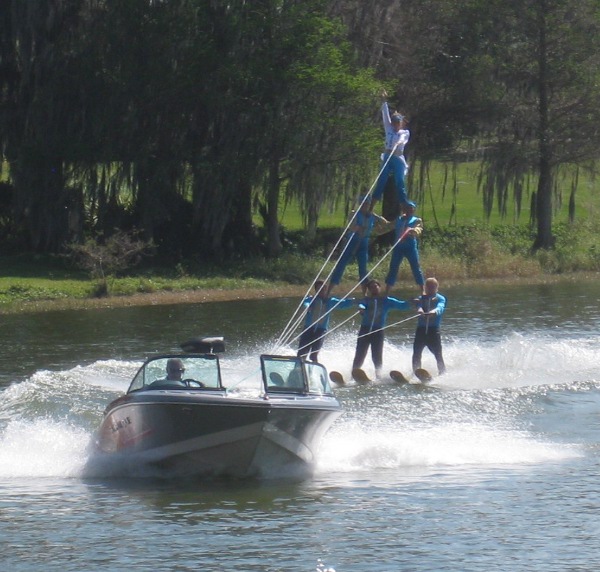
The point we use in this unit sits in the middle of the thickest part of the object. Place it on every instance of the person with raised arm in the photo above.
(392, 159)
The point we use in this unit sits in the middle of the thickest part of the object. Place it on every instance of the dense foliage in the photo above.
(173, 117)
(182, 118)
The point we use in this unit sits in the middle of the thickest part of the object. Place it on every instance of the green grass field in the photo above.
(443, 188)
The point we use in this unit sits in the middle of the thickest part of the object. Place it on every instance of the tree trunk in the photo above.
(41, 201)
(239, 238)
(544, 238)
(274, 246)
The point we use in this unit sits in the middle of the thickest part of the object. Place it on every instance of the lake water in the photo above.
(495, 466)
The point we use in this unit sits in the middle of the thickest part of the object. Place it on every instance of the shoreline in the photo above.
(165, 297)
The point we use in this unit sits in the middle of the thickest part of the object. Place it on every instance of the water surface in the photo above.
(493, 467)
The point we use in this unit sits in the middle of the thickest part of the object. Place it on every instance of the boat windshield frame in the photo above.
(290, 374)
(203, 368)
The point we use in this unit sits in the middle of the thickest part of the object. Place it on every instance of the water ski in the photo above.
(337, 378)
(398, 377)
(423, 375)
(360, 376)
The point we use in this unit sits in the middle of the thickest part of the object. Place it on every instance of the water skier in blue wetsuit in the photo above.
(316, 322)
(357, 245)
(375, 309)
(392, 159)
(431, 306)
(408, 229)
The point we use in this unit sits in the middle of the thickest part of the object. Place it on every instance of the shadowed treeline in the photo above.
(182, 119)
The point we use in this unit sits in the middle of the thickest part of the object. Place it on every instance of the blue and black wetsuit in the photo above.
(316, 323)
(407, 248)
(428, 331)
(371, 333)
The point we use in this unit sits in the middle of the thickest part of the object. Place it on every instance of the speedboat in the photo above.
(197, 427)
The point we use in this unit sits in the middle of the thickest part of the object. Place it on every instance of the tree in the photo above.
(41, 113)
(278, 109)
(428, 53)
(318, 129)
(515, 81)
(545, 56)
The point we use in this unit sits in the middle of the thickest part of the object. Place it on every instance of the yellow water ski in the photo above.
(398, 377)
(360, 376)
(423, 375)
(337, 378)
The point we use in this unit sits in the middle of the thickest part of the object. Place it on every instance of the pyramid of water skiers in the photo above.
(376, 303)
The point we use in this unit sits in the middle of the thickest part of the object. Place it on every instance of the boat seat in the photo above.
(295, 380)
(276, 379)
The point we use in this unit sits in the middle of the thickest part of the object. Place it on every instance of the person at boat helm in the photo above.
(175, 370)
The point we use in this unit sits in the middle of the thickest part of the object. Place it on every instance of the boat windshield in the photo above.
(293, 375)
(193, 371)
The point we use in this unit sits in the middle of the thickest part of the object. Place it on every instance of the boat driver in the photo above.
(175, 370)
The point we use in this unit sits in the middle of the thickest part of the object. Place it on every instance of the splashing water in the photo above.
(479, 414)
(321, 567)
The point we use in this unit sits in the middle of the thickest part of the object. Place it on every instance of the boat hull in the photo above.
(213, 435)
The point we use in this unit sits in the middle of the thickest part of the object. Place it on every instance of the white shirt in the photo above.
(393, 138)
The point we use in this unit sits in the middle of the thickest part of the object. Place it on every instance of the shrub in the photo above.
(105, 258)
